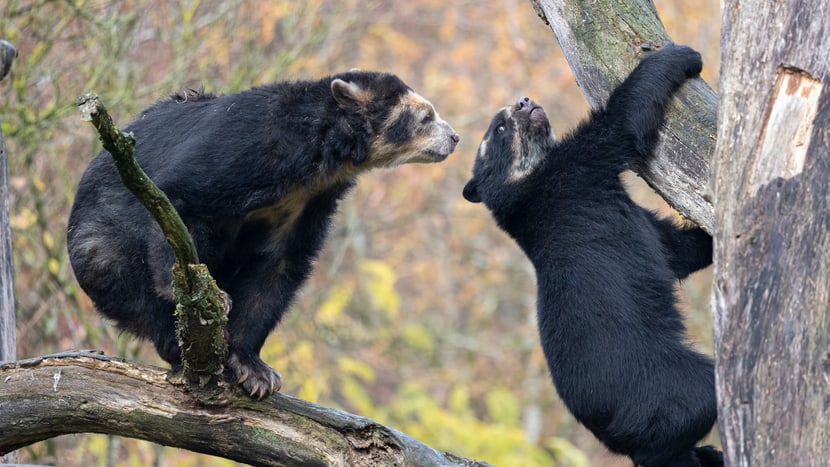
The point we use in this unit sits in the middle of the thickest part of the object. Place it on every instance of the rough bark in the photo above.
(201, 308)
(603, 41)
(82, 392)
(7, 317)
(771, 295)
(7, 338)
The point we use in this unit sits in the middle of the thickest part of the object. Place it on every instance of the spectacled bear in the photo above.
(256, 177)
(606, 268)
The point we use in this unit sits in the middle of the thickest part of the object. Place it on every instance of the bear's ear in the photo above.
(349, 94)
(471, 191)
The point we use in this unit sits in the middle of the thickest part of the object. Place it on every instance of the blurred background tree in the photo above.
(420, 313)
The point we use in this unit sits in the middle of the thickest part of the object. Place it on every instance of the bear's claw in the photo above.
(257, 378)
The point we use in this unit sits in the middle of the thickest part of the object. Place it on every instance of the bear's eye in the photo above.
(500, 129)
(428, 118)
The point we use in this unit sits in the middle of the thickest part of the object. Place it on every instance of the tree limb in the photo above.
(84, 392)
(201, 308)
(122, 148)
(7, 316)
(7, 336)
(602, 41)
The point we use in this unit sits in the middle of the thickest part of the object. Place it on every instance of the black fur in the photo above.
(606, 268)
(256, 177)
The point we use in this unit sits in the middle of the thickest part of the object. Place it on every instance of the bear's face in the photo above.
(403, 127)
(513, 147)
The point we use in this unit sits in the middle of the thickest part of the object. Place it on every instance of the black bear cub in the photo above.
(606, 268)
(256, 177)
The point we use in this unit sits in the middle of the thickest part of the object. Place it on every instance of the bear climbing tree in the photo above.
(771, 294)
(606, 268)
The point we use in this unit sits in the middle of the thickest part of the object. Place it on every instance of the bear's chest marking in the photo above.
(279, 219)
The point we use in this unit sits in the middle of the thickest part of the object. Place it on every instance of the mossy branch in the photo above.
(201, 307)
(122, 148)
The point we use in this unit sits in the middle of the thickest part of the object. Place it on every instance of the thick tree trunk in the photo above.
(772, 257)
(603, 40)
(89, 393)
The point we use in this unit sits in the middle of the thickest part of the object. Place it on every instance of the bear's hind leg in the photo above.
(683, 459)
(709, 456)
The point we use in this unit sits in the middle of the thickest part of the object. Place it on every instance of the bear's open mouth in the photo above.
(525, 108)
(537, 113)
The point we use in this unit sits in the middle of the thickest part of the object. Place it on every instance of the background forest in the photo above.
(420, 313)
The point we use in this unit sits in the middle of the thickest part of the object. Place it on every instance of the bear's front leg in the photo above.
(258, 379)
(638, 105)
(261, 294)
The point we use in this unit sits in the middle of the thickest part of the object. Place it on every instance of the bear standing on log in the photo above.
(256, 177)
(605, 267)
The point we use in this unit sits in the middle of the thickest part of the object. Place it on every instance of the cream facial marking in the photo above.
(431, 138)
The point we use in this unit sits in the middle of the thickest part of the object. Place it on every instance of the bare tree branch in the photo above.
(83, 392)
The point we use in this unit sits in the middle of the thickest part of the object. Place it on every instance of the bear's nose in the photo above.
(455, 138)
(523, 103)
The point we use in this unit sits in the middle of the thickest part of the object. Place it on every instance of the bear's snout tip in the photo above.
(524, 103)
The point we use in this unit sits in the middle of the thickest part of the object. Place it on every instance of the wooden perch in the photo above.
(201, 308)
(83, 392)
(603, 41)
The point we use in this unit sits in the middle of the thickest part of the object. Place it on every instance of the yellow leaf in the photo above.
(23, 220)
(350, 366)
(309, 390)
(335, 303)
(303, 354)
(357, 396)
(54, 266)
(459, 399)
(48, 240)
(39, 184)
(418, 337)
(381, 287)
(502, 406)
(565, 451)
